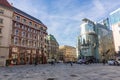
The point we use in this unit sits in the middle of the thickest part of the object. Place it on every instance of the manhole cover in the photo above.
(73, 75)
(6, 75)
(51, 79)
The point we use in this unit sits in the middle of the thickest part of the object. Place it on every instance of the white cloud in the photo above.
(63, 17)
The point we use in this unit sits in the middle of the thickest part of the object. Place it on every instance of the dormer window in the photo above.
(24, 20)
(17, 17)
(30, 23)
(35, 25)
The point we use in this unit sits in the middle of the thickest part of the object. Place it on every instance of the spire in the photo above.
(5, 3)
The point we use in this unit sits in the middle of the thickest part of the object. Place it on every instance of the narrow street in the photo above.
(60, 72)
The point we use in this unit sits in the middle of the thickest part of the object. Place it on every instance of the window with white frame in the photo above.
(16, 32)
(28, 35)
(28, 29)
(17, 25)
(15, 40)
(23, 27)
(23, 34)
(22, 41)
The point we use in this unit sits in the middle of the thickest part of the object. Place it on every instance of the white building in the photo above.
(115, 24)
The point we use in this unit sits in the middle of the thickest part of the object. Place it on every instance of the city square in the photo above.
(59, 40)
(60, 71)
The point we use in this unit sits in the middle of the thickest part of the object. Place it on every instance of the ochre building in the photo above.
(69, 53)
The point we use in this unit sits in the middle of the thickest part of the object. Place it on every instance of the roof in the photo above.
(51, 37)
(115, 11)
(5, 3)
(102, 26)
(27, 15)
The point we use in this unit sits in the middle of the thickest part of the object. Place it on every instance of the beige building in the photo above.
(69, 53)
(6, 14)
(53, 47)
(22, 37)
(106, 43)
(115, 24)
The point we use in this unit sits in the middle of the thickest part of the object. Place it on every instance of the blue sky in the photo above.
(63, 17)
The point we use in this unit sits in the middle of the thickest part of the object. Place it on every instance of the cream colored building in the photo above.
(116, 34)
(5, 31)
(69, 53)
(115, 23)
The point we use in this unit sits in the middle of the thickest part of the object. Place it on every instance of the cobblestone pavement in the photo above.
(60, 72)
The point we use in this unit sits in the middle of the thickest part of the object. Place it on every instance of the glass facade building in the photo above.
(88, 40)
(115, 17)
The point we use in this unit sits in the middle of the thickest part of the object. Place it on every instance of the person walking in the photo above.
(71, 63)
(36, 61)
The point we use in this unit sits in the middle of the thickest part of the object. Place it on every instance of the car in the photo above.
(50, 60)
(111, 62)
(59, 61)
(81, 61)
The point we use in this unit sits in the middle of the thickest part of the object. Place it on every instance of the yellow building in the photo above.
(69, 53)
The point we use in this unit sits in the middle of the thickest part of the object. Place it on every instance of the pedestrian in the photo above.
(71, 63)
(103, 61)
(36, 59)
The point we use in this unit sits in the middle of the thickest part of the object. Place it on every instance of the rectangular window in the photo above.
(24, 20)
(17, 25)
(16, 32)
(1, 20)
(35, 25)
(30, 23)
(17, 18)
(23, 34)
(15, 40)
(1, 11)
(0, 30)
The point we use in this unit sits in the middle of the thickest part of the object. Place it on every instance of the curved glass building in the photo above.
(88, 40)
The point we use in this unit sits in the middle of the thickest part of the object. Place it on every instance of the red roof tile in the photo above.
(5, 3)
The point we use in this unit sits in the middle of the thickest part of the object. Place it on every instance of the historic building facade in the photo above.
(6, 14)
(22, 37)
(68, 53)
(53, 48)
